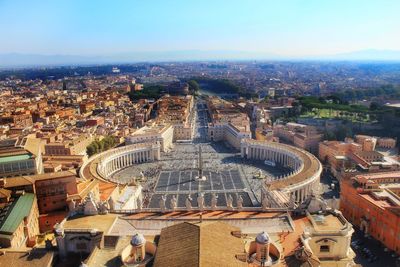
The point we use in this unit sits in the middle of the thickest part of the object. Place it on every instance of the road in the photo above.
(383, 258)
(201, 123)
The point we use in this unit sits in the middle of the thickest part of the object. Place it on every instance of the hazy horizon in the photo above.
(290, 29)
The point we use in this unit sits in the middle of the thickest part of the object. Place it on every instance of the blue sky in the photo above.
(284, 27)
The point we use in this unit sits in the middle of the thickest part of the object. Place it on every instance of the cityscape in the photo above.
(189, 154)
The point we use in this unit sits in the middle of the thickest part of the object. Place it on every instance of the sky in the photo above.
(284, 27)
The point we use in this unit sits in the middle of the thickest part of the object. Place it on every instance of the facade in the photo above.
(386, 142)
(303, 136)
(19, 222)
(18, 161)
(328, 238)
(375, 142)
(228, 123)
(183, 131)
(69, 146)
(372, 203)
(229, 133)
(344, 159)
(52, 191)
(161, 134)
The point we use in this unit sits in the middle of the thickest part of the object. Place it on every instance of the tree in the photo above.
(90, 150)
(100, 146)
(193, 86)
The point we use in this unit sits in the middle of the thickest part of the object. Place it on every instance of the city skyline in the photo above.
(168, 31)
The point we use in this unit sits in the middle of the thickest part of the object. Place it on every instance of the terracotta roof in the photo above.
(4, 193)
(83, 189)
(200, 244)
(106, 190)
(31, 179)
(18, 181)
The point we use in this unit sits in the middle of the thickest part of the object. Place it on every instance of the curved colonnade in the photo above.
(306, 168)
(299, 183)
(102, 166)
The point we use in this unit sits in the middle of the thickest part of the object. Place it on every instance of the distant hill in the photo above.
(18, 60)
(370, 54)
(29, 60)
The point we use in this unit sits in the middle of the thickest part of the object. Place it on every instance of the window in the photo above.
(324, 248)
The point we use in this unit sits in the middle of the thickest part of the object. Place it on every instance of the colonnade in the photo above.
(283, 157)
(119, 158)
(299, 184)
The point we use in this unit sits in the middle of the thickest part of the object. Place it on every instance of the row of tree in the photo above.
(310, 102)
(98, 146)
(360, 94)
(149, 91)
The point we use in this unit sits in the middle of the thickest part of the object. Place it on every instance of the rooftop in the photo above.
(11, 158)
(18, 211)
(31, 258)
(327, 222)
(199, 244)
(100, 222)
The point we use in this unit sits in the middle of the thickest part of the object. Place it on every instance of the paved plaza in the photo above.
(228, 174)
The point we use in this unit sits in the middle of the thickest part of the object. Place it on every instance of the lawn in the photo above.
(337, 114)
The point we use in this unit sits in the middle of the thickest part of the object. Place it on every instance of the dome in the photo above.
(262, 238)
(137, 240)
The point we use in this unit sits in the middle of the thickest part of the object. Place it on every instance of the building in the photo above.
(82, 235)
(372, 142)
(328, 237)
(16, 161)
(37, 257)
(372, 203)
(301, 135)
(86, 107)
(177, 111)
(19, 221)
(202, 244)
(67, 146)
(228, 122)
(139, 252)
(320, 237)
(229, 133)
(52, 191)
(162, 134)
(344, 159)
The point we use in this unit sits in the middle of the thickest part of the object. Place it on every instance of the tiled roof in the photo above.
(200, 244)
